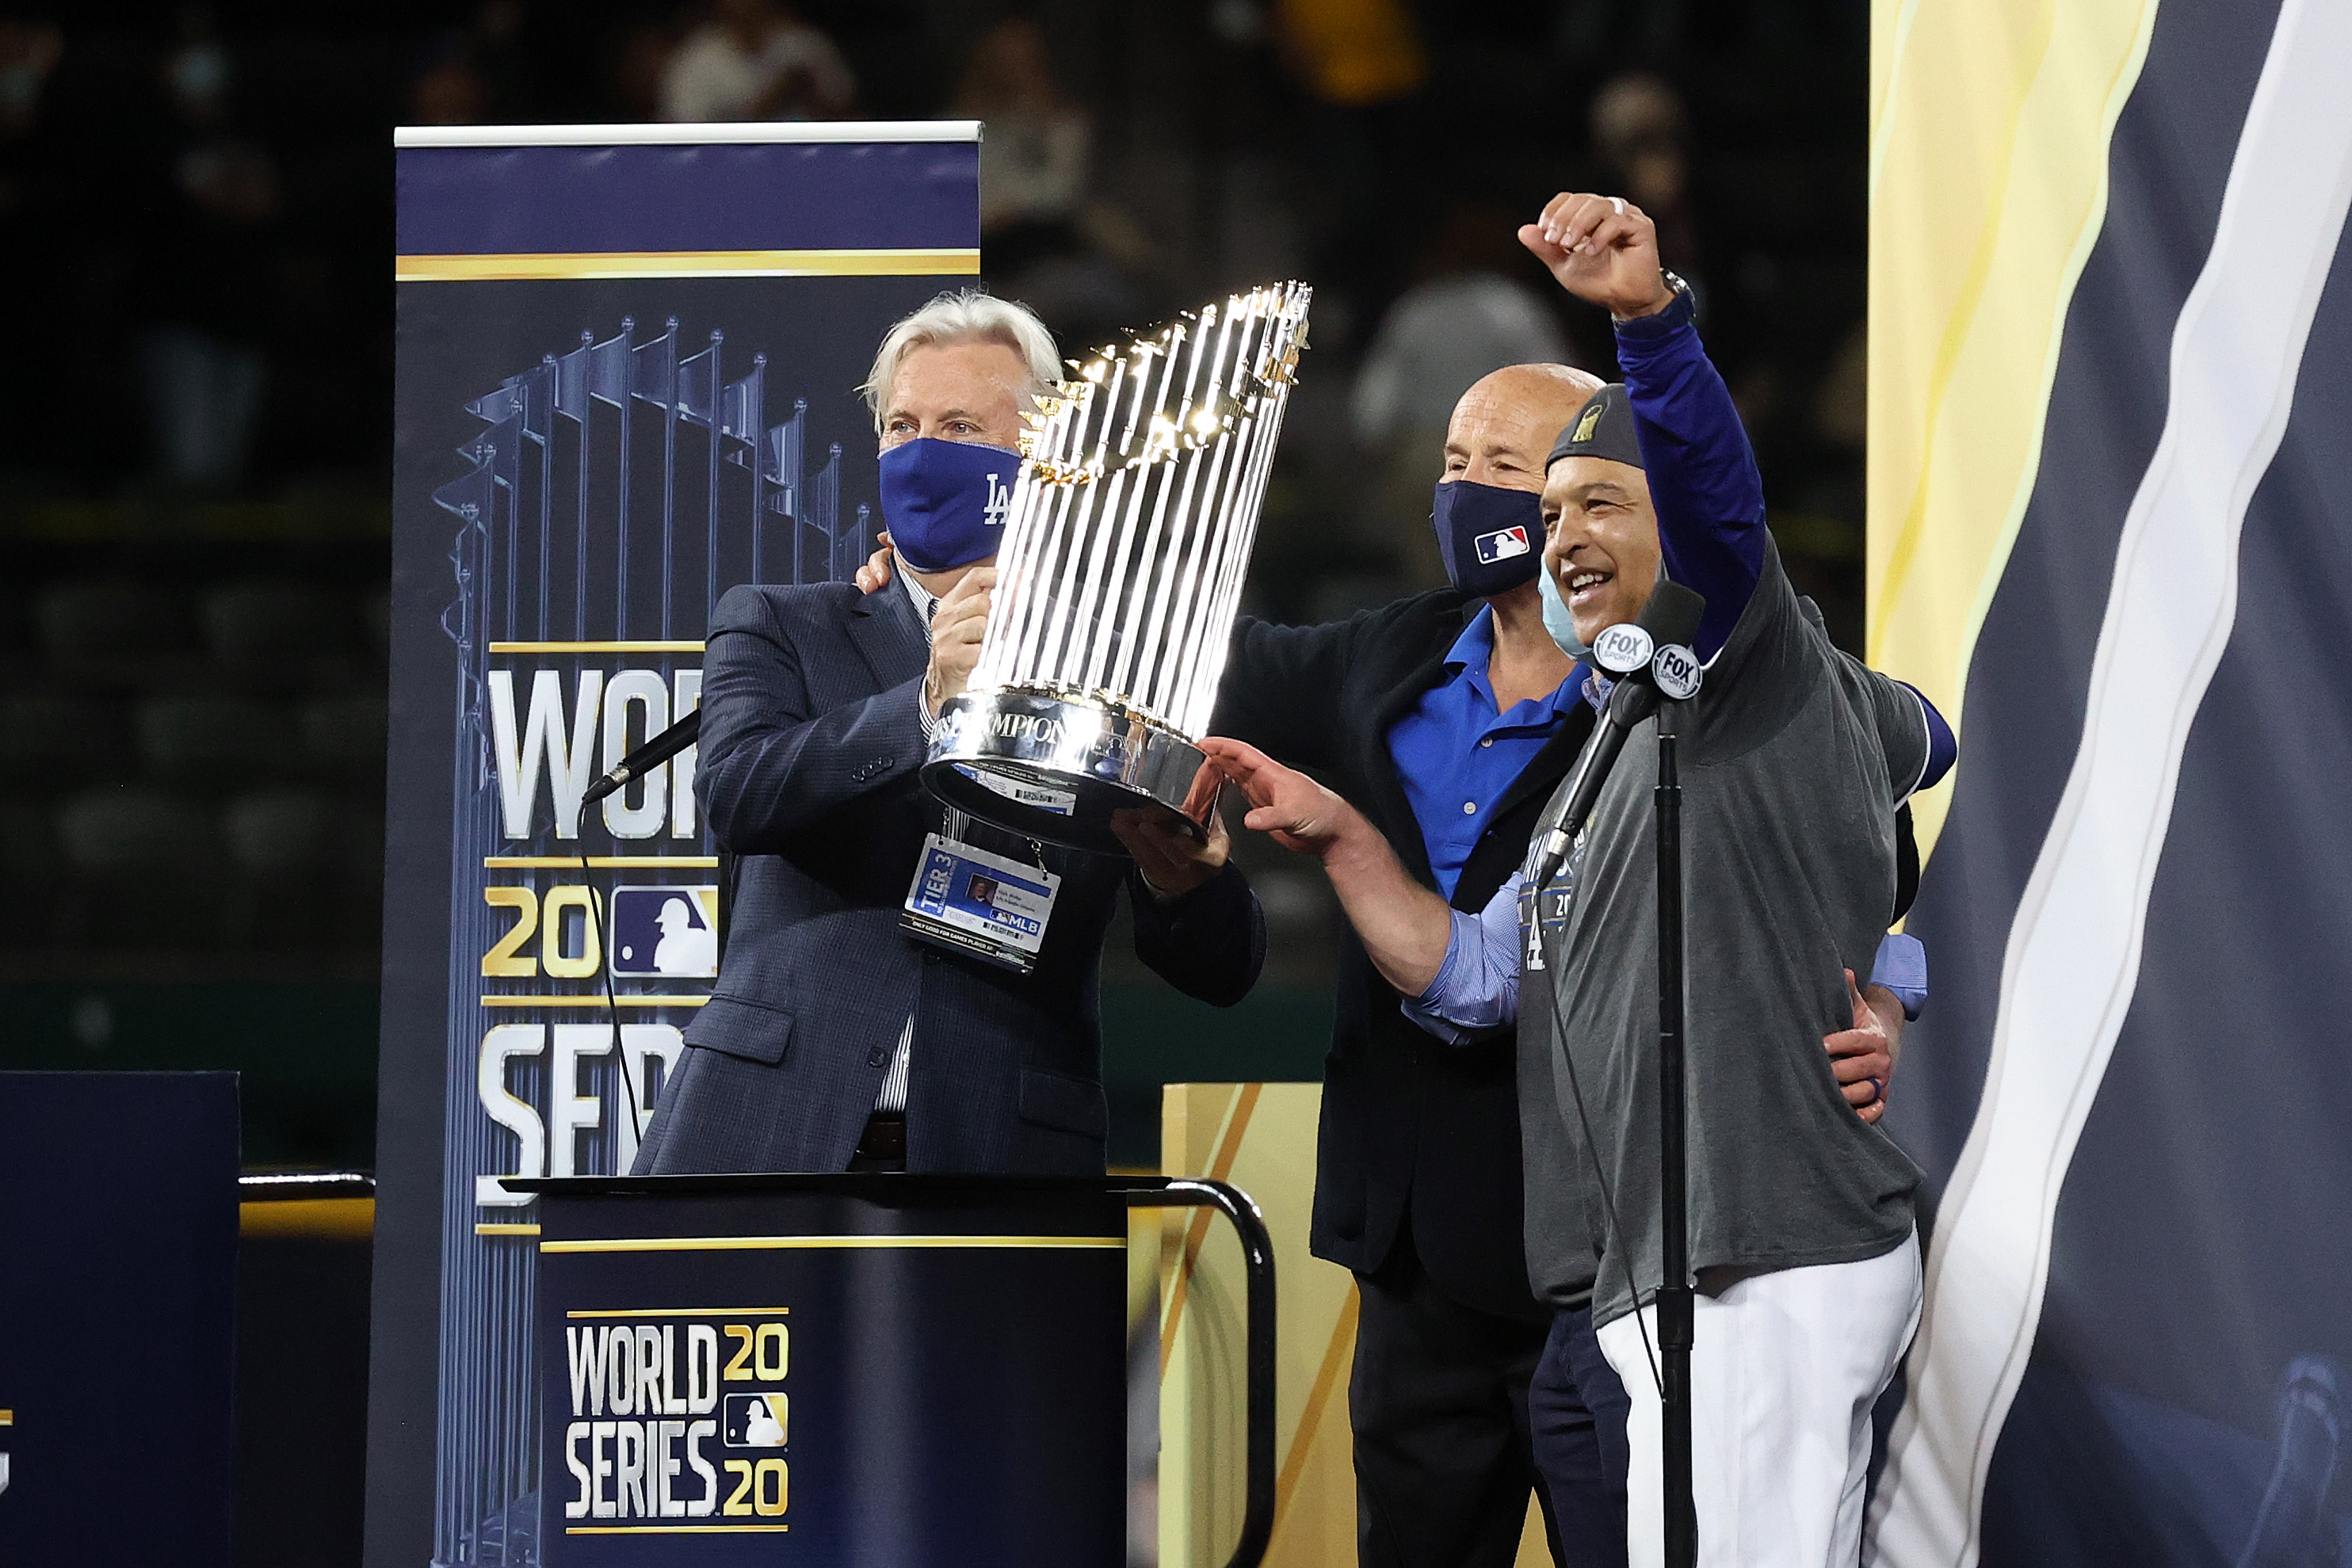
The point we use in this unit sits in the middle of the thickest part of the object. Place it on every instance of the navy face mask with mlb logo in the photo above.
(945, 502)
(1490, 539)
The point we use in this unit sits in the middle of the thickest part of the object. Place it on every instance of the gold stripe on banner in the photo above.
(620, 647)
(1989, 169)
(7, 1417)
(312, 1218)
(1338, 1357)
(600, 863)
(827, 1243)
(682, 1311)
(626, 263)
(593, 1002)
(489, 1228)
(1229, 1147)
(674, 1529)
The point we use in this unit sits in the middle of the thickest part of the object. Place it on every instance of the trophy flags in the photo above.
(1126, 536)
(625, 383)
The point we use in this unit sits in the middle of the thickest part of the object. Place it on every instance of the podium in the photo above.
(907, 1370)
(118, 1317)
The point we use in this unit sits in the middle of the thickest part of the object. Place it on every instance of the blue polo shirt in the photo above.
(1456, 756)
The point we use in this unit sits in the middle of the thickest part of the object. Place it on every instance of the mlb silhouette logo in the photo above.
(757, 1420)
(665, 931)
(1501, 545)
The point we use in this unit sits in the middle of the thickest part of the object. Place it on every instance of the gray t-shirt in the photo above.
(1793, 757)
(1559, 1243)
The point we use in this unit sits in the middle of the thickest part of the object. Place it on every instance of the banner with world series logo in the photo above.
(626, 382)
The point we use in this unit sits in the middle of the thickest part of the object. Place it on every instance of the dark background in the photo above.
(196, 243)
(195, 214)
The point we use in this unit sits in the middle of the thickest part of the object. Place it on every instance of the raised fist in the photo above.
(1603, 250)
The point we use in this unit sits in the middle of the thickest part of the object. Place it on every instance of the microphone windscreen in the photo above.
(1673, 613)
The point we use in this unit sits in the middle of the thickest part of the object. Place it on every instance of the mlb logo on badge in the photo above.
(1501, 545)
(670, 932)
(757, 1420)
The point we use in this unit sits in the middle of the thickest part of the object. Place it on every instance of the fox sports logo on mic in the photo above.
(1621, 649)
(1677, 671)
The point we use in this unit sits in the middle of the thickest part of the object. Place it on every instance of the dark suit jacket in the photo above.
(810, 747)
(1407, 1119)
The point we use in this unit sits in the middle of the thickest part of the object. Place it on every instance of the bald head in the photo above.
(1503, 428)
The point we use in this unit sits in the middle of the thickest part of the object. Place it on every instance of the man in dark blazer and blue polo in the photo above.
(836, 1039)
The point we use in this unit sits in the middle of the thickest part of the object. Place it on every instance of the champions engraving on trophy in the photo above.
(1127, 538)
(1026, 726)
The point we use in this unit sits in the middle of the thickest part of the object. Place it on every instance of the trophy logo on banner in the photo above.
(1127, 534)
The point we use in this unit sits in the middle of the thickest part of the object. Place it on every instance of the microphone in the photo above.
(1652, 659)
(652, 754)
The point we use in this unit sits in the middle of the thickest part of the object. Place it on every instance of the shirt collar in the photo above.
(924, 601)
(1475, 646)
(1475, 649)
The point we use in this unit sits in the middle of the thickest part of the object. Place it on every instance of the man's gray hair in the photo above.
(965, 316)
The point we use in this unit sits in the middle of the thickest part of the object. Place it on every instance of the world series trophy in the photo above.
(1119, 576)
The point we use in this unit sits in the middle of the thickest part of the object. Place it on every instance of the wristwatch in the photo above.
(1675, 285)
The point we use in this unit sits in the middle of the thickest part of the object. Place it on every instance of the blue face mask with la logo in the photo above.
(1490, 539)
(945, 502)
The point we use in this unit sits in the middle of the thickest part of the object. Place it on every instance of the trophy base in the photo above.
(1055, 767)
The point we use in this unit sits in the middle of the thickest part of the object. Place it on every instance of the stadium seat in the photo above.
(130, 828)
(279, 633)
(111, 632)
(143, 871)
(282, 832)
(376, 624)
(213, 741)
(28, 874)
(56, 739)
(343, 740)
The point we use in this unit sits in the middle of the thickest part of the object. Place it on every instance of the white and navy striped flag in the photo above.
(2110, 528)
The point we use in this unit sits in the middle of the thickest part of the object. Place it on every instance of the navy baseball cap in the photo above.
(1603, 427)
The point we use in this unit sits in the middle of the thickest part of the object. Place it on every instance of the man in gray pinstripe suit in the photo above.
(836, 1039)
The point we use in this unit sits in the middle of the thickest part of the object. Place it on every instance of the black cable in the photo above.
(613, 1006)
(1616, 1238)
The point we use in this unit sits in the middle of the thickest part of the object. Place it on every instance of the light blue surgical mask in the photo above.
(1556, 620)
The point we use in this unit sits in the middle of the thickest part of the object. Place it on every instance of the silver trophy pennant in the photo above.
(1120, 575)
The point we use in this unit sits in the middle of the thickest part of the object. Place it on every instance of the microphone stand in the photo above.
(1660, 672)
(1675, 1302)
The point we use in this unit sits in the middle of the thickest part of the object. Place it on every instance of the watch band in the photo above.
(1677, 285)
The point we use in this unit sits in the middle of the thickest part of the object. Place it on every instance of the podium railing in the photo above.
(1257, 1258)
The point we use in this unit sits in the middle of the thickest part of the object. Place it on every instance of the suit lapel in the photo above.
(884, 628)
(1388, 805)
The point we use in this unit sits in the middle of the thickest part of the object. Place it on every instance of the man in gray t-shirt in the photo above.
(1794, 758)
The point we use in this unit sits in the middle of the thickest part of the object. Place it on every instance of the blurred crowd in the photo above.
(196, 231)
